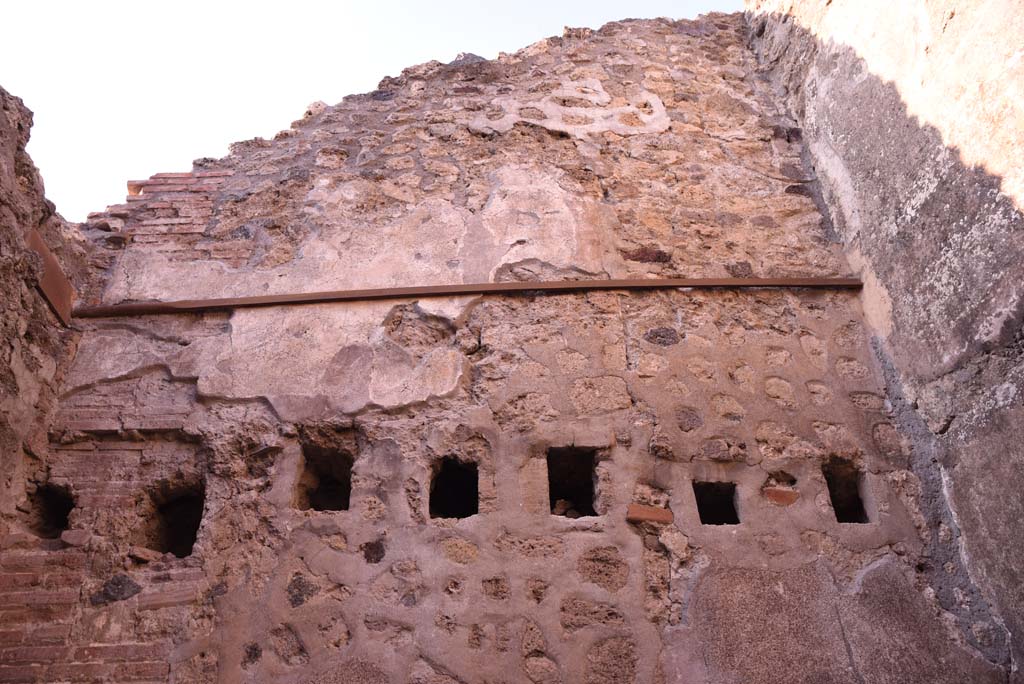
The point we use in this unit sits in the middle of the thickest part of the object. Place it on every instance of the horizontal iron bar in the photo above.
(193, 305)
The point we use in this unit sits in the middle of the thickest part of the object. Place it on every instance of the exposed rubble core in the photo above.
(602, 487)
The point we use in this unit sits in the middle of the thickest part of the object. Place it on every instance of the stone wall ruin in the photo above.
(659, 486)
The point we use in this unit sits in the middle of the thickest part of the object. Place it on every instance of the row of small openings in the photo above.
(716, 501)
(454, 487)
(326, 485)
(171, 526)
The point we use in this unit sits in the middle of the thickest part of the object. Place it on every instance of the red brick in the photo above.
(16, 616)
(119, 652)
(18, 580)
(781, 496)
(39, 597)
(9, 637)
(10, 617)
(161, 179)
(79, 672)
(50, 634)
(162, 196)
(120, 446)
(175, 596)
(167, 178)
(642, 513)
(23, 655)
(104, 500)
(153, 188)
(142, 671)
(175, 575)
(166, 221)
(23, 673)
(167, 231)
(93, 425)
(33, 562)
(59, 580)
(169, 415)
(69, 450)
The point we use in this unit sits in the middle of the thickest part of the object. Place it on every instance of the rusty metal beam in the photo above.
(55, 287)
(419, 292)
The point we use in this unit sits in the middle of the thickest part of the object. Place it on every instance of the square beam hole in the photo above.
(173, 524)
(844, 482)
(454, 489)
(50, 508)
(325, 483)
(571, 477)
(716, 503)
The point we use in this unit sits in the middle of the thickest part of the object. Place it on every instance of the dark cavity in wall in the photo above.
(571, 476)
(716, 503)
(326, 480)
(454, 489)
(174, 522)
(844, 482)
(50, 507)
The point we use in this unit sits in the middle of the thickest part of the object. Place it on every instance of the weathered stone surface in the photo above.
(34, 348)
(800, 626)
(914, 128)
(362, 492)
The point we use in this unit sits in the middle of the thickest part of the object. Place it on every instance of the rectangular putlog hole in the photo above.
(716, 503)
(845, 482)
(454, 489)
(325, 482)
(571, 477)
(50, 508)
(172, 525)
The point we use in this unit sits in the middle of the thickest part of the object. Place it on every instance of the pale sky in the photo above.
(123, 90)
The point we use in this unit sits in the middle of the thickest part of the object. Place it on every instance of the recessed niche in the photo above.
(50, 507)
(454, 489)
(780, 478)
(716, 503)
(175, 519)
(571, 477)
(845, 482)
(325, 483)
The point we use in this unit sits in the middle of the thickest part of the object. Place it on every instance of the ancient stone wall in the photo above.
(913, 125)
(34, 347)
(682, 485)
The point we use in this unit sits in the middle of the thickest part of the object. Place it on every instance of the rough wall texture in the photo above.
(34, 349)
(447, 490)
(914, 127)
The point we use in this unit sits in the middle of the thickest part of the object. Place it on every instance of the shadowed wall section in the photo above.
(912, 115)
